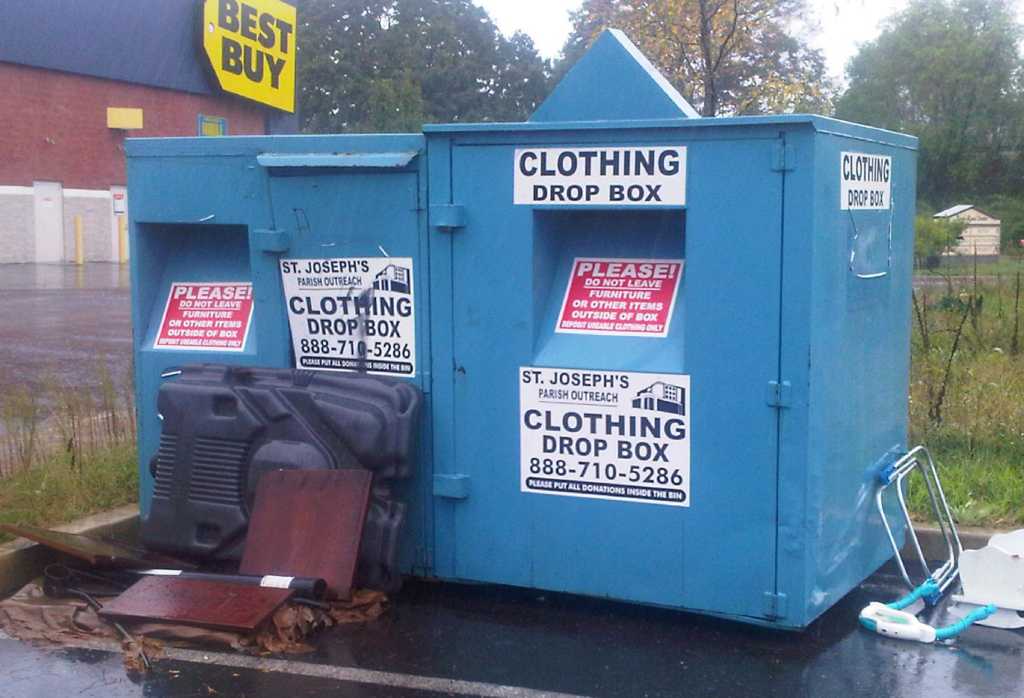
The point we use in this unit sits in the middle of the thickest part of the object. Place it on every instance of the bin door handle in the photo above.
(451, 486)
(270, 241)
(779, 394)
(447, 217)
(338, 161)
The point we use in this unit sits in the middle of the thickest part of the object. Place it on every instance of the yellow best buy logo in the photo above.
(251, 47)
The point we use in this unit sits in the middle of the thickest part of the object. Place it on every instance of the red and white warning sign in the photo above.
(626, 297)
(206, 316)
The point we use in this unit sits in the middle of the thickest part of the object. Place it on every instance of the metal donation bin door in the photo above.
(320, 242)
(353, 279)
(352, 266)
(621, 324)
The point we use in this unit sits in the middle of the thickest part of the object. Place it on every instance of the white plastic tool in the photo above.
(892, 621)
(994, 574)
(898, 624)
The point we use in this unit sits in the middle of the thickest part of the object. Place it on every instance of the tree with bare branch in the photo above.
(728, 56)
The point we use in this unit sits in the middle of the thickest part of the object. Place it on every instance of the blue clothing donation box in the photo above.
(662, 357)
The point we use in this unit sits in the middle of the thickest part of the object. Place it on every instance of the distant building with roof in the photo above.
(981, 235)
(77, 78)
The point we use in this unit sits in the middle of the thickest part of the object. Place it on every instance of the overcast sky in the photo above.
(840, 24)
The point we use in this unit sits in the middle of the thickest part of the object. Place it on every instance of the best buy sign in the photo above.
(251, 48)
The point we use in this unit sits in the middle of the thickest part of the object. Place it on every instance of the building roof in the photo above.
(147, 42)
(954, 211)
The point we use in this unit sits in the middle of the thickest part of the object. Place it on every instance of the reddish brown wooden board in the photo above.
(216, 605)
(98, 553)
(308, 523)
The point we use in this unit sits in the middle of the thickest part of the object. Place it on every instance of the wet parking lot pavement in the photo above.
(58, 323)
(446, 639)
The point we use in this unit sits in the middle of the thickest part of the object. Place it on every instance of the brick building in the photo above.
(77, 78)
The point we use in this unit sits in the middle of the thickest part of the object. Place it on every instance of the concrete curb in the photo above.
(22, 560)
(933, 545)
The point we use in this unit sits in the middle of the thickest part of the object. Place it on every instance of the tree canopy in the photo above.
(948, 71)
(724, 56)
(372, 65)
(933, 236)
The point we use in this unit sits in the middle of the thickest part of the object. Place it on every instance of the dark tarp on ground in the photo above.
(31, 616)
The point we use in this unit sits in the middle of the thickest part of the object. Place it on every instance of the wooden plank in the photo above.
(96, 552)
(309, 523)
(218, 605)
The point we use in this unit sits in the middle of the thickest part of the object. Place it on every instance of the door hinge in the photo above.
(271, 241)
(774, 605)
(451, 486)
(779, 394)
(783, 158)
(447, 217)
(424, 560)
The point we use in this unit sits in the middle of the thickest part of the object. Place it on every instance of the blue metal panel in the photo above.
(794, 528)
(349, 160)
(368, 212)
(441, 334)
(338, 213)
(840, 334)
(204, 209)
(613, 80)
(190, 221)
(821, 124)
(859, 366)
(510, 268)
(797, 350)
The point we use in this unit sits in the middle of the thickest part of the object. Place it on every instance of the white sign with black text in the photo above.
(603, 175)
(865, 181)
(352, 314)
(615, 435)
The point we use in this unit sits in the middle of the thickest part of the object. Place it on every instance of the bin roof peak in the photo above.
(613, 81)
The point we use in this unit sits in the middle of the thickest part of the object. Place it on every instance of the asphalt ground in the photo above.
(448, 639)
(59, 323)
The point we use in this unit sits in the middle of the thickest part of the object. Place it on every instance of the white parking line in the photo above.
(351, 674)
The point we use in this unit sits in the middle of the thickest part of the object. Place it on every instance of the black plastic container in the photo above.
(224, 426)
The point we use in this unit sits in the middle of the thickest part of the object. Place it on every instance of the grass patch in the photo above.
(983, 488)
(67, 450)
(51, 492)
(1006, 265)
(967, 399)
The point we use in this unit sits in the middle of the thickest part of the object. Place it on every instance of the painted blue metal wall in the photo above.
(781, 523)
(205, 209)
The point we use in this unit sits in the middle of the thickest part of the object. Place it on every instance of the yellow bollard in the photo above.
(122, 240)
(79, 242)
